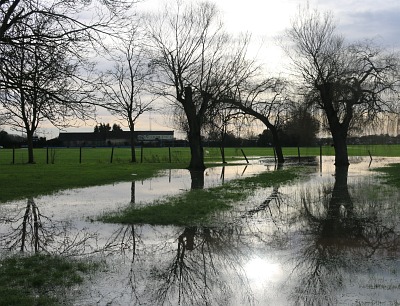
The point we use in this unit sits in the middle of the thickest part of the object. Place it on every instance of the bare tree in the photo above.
(349, 82)
(197, 63)
(39, 81)
(44, 45)
(70, 22)
(266, 101)
(220, 120)
(125, 88)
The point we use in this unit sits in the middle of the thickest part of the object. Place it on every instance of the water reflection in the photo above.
(339, 238)
(275, 197)
(345, 226)
(195, 274)
(133, 192)
(329, 239)
(189, 266)
(29, 230)
(197, 178)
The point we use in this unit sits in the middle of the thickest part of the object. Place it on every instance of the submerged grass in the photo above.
(34, 280)
(196, 205)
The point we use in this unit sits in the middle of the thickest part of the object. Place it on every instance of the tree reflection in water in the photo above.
(201, 266)
(127, 241)
(324, 238)
(197, 274)
(31, 231)
(338, 239)
(197, 177)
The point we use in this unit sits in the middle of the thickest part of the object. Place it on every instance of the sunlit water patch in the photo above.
(329, 238)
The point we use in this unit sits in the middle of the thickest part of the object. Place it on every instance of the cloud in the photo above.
(366, 19)
(382, 25)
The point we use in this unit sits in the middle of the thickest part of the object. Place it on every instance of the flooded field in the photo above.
(330, 238)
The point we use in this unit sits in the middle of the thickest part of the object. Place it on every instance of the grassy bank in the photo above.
(72, 167)
(36, 280)
(174, 154)
(22, 181)
(196, 205)
(391, 174)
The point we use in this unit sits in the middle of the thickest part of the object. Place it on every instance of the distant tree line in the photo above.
(184, 56)
(262, 140)
(10, 140)
(105, 129)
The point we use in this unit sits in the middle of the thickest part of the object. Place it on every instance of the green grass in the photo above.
(391, 174)
(197, 205)
(175, 154)
(21, 180)
(29, 180)
(34, 280)
(94, 155)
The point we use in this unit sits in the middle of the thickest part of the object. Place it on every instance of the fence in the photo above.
(175, 154)
(92, 155)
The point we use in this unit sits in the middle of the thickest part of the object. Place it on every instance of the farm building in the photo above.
(91, 139)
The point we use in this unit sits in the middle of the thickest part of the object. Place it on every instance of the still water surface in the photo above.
(331, 238)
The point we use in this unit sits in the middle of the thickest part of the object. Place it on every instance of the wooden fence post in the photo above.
(112, 155)
(298, 153)
(245, 156)
(320, 155)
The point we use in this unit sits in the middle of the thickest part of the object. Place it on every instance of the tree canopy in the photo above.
(351, 82)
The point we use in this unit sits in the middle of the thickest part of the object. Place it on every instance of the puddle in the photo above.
(92, 201)
(331, 238)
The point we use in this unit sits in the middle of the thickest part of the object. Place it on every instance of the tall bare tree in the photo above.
(349, 82)
(66, 14)
(266, 101)
(125, 88)
(39, 81)
(197, 62)
(44, 46)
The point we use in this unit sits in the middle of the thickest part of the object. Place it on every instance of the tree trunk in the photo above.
(341, 155)
(338, 130)
(277, 144)
(132, 136)
(339, 136)
(196, 151)
(223, 136)
(222, 149)
(29, 137)
(270, 126)
(194, 135)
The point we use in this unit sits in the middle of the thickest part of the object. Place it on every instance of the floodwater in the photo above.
(329, 238)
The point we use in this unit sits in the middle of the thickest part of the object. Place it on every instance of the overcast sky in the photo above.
(267, 20)
(357, 19)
